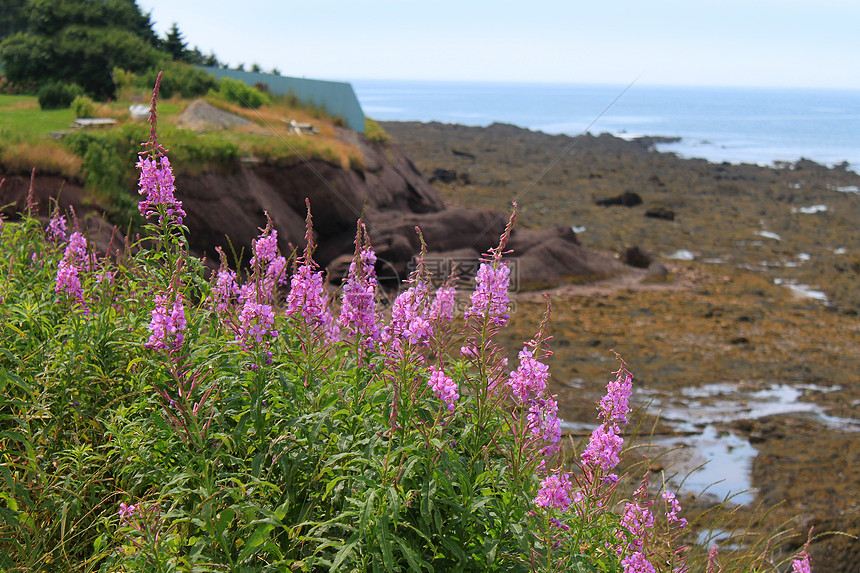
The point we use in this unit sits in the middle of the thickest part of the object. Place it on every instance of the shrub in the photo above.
(179, 79)
(374, 132)
(58, 95)
(83, 106)
(240, 93)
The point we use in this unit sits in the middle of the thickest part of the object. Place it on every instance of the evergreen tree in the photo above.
(174, 43)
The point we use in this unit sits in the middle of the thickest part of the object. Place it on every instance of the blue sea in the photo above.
(738, 125)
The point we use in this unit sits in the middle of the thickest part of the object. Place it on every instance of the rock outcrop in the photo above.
(390, 194)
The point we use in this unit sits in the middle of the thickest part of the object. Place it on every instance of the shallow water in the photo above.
(718, 462)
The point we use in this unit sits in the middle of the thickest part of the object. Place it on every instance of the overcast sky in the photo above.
(792, 43)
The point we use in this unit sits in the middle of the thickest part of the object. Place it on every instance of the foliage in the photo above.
(374, 132)
(180, 79)
(240, 93)
(174, 43)
(78, 54)
(80, 41)
(58, 95)
(12, 17)
(83, 106)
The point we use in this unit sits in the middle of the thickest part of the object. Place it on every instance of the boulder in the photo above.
(626, 199)
(443, 175)
(660, 213)
(636, 257)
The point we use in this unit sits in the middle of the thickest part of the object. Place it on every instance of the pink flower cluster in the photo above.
(265, 247)
(358, 311)
(168, 324)
(269, 269)
(74, 259)
(604, 447)
(543, 423)
(410, 316)
(444, 304)
(157, 183)
(638, 521)
(801, 563)
(444, 387)
(56, 230)
(490, 298)
(255, 325)
(672, 509)
(554, 492)
(637, 563)
(530, 377)
(307, 297)
(226, 289)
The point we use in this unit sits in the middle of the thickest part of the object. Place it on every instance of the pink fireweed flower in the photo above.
(265, 247)
(255, 325)
(637, 563)
(672, 509)
(443, 305)
(76, 250)
(409, 316)
(358, 310)
(614, 406)
(56, 229)
(530, 377)
(554, 492)
(490, 297)
(68, 281)
(713, 565)
(126, 511)
(444, 387)
(157, 183)
(603, 448)
(542, 420)
(307, 297)
(801, 564)
(226, 289)
(74, 259)
(638, 521)
(167, 324)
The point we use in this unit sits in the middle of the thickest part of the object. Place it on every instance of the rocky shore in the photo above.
(750, 337)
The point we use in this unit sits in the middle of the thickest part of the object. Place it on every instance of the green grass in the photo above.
(21, 120)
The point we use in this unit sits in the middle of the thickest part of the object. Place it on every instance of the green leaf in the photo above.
(345, 551)
(259, 537)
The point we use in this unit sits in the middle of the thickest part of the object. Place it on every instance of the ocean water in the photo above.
(738, 125)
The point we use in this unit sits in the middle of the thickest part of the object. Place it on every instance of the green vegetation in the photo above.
(83, 106)
(84, 41)
(235, 91)
(374, 132)
(58, 95)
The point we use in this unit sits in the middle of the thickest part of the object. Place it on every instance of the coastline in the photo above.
(738, 125)
(738, 238)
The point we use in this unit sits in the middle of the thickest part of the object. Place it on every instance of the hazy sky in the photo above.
(797, 43)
